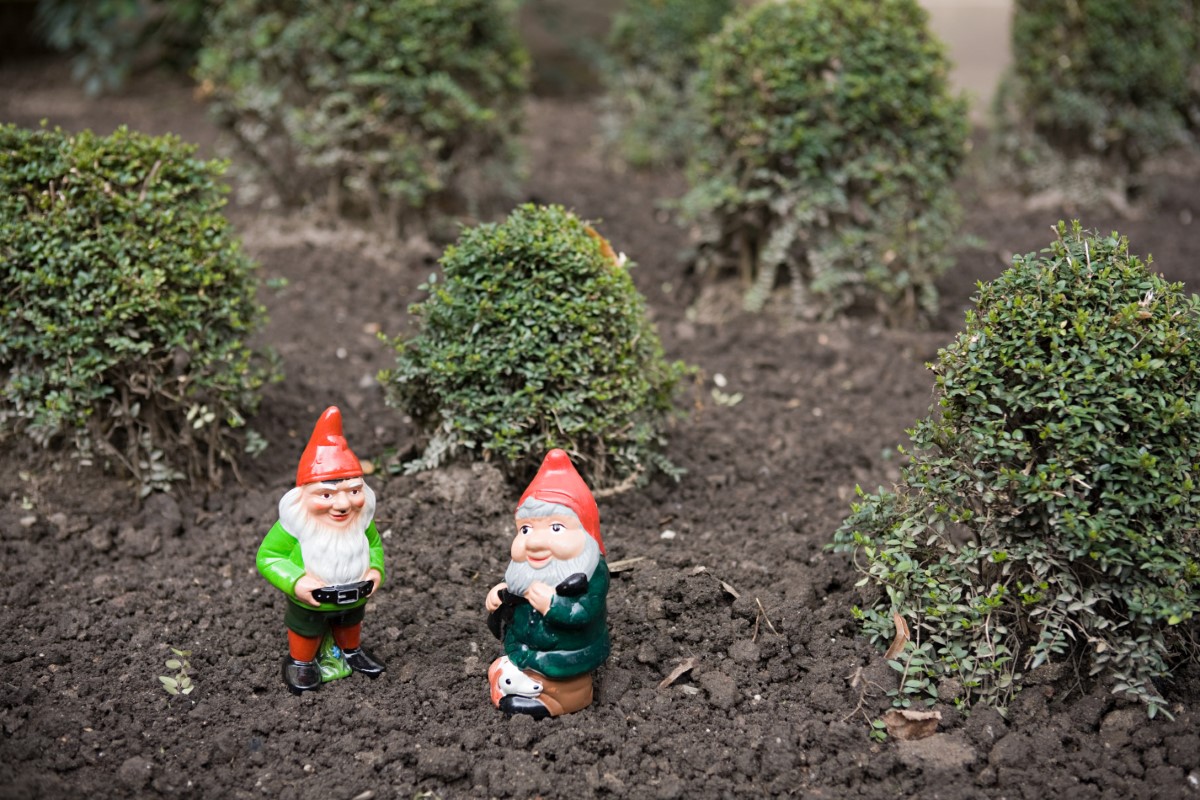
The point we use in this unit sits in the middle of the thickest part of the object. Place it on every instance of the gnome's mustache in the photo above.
(520, 576)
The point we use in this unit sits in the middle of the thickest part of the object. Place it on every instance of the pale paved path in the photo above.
(977, 34)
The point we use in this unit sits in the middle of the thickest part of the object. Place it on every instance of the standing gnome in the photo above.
(550, 609)
(325, 554)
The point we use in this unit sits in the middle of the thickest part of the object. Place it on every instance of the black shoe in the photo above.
(360, 660)
(516, 704)
(301, 676)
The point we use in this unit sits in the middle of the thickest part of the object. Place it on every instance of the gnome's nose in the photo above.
(538, 542)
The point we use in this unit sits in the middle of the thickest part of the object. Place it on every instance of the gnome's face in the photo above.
(540, 539)
(550, 548)
(337, 505)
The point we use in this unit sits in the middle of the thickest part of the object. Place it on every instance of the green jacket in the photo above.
(280, 562)
(571, 638)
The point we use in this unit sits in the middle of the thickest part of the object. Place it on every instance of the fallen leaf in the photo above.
(902, 637)
(685, 666)
(906, 725)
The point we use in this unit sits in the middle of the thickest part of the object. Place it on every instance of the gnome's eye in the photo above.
(326, 495)
(524, 530)
(557, 527)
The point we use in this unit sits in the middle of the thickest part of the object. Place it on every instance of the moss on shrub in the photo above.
(534, 337)
(393, 109)
(1049, 512)
(654, 52)
(832, 144)
(126, 302)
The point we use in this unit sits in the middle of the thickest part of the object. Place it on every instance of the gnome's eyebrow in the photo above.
(332, 483)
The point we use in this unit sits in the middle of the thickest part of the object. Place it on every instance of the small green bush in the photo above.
(112, 38)
(533, 338)
(1097, 87)
(654, 52)
(126, 302)
(383, 107)
(833, 141)
(1049, 511)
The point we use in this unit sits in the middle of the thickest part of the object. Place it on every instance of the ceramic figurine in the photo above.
(325, 554)
(550, 609)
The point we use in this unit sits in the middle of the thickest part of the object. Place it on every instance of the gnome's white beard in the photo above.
(520, 575)
(332, 555)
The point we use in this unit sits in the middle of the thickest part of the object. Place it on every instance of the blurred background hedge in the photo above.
(391, 109)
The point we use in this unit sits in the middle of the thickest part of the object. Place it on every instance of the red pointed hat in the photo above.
(327, 456)
(558, 482)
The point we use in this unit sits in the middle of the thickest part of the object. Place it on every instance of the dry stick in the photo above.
(623, 486)
(149, 180)
(625, 564)
(767, 619)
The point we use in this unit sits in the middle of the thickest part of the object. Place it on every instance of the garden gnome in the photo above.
(325, 554)
(550, 609)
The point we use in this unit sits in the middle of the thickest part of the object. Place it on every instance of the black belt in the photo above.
(344, 593)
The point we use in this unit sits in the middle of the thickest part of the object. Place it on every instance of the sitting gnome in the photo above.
(550, 609)
(325, 554)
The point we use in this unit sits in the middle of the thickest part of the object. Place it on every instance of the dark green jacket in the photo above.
(280, 562)
(571, 638)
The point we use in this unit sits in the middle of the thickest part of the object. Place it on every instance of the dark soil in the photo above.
(97, 587)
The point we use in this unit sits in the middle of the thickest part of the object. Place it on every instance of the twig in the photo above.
(763, 613)
(149, 179)
(624, 564)
(623, 486)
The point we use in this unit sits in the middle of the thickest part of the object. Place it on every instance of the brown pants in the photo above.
(565, 696)
(559, 697)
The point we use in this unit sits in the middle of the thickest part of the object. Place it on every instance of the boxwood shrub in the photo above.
(1049, 510)
(832, 143)
(111, 39)
(1097, 88)
(653, 54)
(392, 108)
(126, 302)
(533, 337)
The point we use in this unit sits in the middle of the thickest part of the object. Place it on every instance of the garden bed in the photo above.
(733, 573)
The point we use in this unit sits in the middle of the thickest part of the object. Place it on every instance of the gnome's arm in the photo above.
(275, 560)
(575, 612)
(376, 548)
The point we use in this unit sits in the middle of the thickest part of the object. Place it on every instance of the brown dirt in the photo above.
(96, 588)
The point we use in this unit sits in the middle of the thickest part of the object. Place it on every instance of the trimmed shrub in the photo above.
(1049, 511)
(1097, 87)
(387, 108)
(126, 302)
(832, 143)
(654, 52)
(535, 337)
(112, 38)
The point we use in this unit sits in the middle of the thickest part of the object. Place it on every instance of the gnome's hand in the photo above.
(493, 597)
(304, 589)
(375, 578)
(539, 596)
